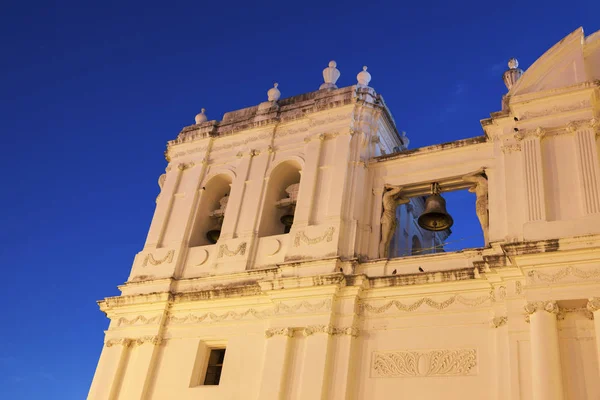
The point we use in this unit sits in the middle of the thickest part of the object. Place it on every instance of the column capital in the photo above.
(269, 333)
(549, 306)
(593, 304)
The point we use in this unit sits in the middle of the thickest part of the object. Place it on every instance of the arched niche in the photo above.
(416, 246)
(284, 175)
(215, 189)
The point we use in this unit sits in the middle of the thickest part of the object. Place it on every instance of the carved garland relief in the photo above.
(224, 250)
(562, 274)
(424, 363)
(363, 307)
(168, 258)
(301, 237)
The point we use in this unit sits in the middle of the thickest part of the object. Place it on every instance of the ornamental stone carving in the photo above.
(168, 258)
(301, 237)
(497, 322)
(549, 306)
(269, 333)
(224, 250)
(424, 363)
(593, 304)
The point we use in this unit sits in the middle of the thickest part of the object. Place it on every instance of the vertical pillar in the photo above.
(163, 206)
(534, 177)
(314, 371)
(545, 352)
(345, 359)
(236, 197)
(587, 156)
(594, 306)
(308, 182)
(274, 372)
(109, 372)
(140, 368)
(502, 366)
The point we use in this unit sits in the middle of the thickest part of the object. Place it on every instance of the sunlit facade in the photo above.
(271, 269)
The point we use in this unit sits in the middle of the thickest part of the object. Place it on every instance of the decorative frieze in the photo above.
(127, 342)
(438, 305)
(424, 363)
(269, 333)
(168, 258)
(301, 237)
(313, 330)
(139, 320)
(562, 274)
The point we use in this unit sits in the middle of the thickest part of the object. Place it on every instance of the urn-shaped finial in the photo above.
(330, 75)
(363, 78)
(200, 118)
(274, 93)
(512, 75)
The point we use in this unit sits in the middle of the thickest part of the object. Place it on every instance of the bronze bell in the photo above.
(213, 235)
(435, 217)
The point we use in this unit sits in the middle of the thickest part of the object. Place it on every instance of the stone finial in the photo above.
(274, 93)
(512, 75)
(363, 78)
(330, 75)
(200, 118)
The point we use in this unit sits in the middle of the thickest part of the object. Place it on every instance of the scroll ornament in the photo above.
(418, 363)
(547, 306)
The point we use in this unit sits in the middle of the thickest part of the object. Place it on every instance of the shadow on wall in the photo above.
(208, 218)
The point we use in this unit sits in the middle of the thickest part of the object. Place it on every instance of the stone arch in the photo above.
(283, 175)
(216, 187)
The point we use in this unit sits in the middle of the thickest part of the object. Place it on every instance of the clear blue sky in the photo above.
(91, 91)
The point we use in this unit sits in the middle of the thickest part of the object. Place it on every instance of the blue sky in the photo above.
(91, 91)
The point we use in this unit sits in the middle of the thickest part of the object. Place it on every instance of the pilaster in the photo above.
(237, 196)
(273, 384)
(594, 306)
(316, 357)
(545, 351)
(109, 372)
(305, 204)
(534, 177)
(587, 157)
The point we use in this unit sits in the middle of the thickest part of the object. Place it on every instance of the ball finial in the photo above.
(363, 78)
(274, 94)
(330, 75)
(200, 118)
(513, 63)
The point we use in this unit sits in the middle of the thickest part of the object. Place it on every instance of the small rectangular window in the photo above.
(214, 367)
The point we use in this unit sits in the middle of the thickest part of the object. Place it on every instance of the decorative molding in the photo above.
(554, 110)
(168, 258)
(349, 331)
(578, 310)
(279, 308)
(139, 318)
(127, 342)
(518, 287)
(549, 306)
(269, 333)
(224, 250)
(593, 304)
(184, 166)
(562, 274)
(425, 300)
(313, 329)
(301, 237)
(497, 322)
(121, 341)
(424, 363)
(508, 149)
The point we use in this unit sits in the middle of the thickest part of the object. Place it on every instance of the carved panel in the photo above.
(168, 258)
(224, 250)
(438, 305)
(424, 363)
(301, 237)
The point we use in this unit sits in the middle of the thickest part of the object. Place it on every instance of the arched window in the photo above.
(280, 199)
(211, 211)
(416, 246)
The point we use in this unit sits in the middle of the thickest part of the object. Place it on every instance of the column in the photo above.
(308, 183)
(345, 360)
(140, 368)
(273, 384)
(109, 371)
(587, 155)
(236, 196)
(534, 177)
(546, 373)
(594, 306)
(314, 371)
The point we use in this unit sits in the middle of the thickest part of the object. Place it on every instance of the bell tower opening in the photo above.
(210, 213)
(280, 200)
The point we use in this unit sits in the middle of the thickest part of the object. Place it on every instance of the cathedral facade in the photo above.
(288, 258)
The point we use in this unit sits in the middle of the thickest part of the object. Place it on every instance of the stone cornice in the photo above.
(433, 148)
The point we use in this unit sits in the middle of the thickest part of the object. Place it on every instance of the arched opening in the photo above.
(416, 246)
(280, 200)
(211, 211)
